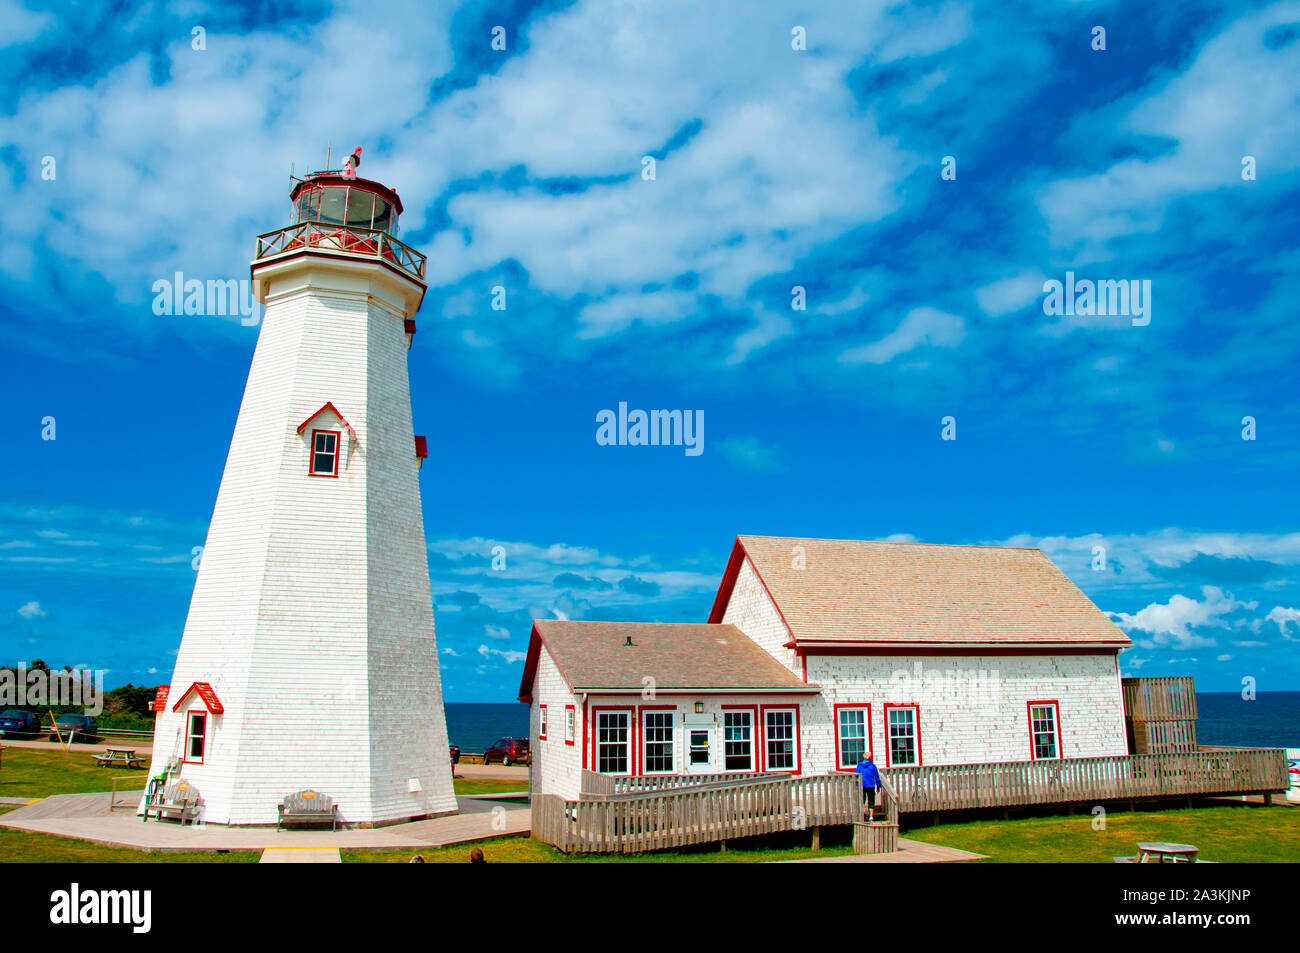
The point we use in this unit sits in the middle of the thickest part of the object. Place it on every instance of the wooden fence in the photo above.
(1009, 784)
(694, 812)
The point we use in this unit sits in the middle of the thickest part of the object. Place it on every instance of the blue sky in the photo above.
(774, 168)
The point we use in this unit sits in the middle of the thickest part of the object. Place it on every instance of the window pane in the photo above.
(332, 203)
(384, 218)
(780, 740)
(902, 736)
(308, 205)
(361, 205)
(853, 736)
(737, 737)
(658, 728)
(612, 742)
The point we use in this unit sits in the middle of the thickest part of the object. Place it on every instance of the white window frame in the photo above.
(190, 735)
(915, 735)
(542, 726)
(753, 753)
(865, 711)
(1055, 709)
(793, 739)
(671, 715)
(570, 725)
(627, 717)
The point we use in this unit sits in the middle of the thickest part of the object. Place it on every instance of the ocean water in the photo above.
(477, 725)
(1271, 720)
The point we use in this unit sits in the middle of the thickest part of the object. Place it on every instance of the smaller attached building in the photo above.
(629, 698)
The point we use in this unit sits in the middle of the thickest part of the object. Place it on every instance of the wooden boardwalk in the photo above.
(621, 816)
(1206, 771)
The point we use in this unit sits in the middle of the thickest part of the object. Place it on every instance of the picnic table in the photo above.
(126, 757)
(1162, 851)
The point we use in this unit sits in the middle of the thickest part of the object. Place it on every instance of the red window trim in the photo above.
(631, 738)
(541, 723)
(574, 739)
(798, 741)
(207, 716)
(916, 725)
(1060, 740)
(311, 453)
(755, 739)
(640, 726)
(835, 712)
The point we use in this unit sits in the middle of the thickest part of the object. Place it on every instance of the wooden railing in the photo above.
(351, 240)
(603, 785)
(1008, 784)
(695, 813)
(1159, 698)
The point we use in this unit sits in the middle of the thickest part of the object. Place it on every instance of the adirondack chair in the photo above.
(308, 806)
(178, 799)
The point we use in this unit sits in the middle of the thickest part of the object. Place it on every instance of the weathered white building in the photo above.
(819, 651)
(308, 659)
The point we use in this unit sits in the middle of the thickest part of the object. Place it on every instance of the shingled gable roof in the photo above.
(874, 593)
(594, 657)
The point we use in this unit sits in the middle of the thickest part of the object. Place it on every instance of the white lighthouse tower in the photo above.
(308, 660)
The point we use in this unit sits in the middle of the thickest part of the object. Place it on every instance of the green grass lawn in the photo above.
(35, 772)
(526, 850)
(489, 785)
(1238, 833)
(22, 847)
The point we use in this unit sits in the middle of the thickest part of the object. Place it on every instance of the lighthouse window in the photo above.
(332, 205)
(384, 219)
(361, 208)
(308, 205)
(324, 453)
(196, 736)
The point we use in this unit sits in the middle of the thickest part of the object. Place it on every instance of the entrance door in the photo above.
(699, 749)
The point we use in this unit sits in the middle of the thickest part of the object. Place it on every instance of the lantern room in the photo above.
(332, 198)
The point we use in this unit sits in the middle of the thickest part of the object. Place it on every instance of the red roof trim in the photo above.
(329, 405)
(535, 645)
(409, 325)
(728, 583)
(421, 447)
(210, 700)
(738, 557)
(335, 180)
(160, 697)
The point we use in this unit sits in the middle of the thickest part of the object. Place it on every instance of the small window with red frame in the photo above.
(324, 453)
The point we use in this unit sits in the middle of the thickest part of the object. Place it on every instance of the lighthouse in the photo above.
(308, 660)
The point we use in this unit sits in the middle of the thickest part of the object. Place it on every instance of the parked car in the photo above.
(508, 751)
(19, 721)
(455, 754)
(75, 728)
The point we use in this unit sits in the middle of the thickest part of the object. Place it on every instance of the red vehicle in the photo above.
(508, 751)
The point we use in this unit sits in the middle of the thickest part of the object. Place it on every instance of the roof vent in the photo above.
(628, 643)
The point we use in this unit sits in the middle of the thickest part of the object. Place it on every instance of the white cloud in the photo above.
(496, 632)
(921, 327)
(1173, 621)
(1283, 617)
(1010, 294)
(749, 454)
(31, 610)
(510, 657)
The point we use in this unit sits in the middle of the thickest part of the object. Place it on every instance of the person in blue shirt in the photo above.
(870, 776)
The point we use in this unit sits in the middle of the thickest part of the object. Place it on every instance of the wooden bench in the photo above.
(308, 806)
(180, 800)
